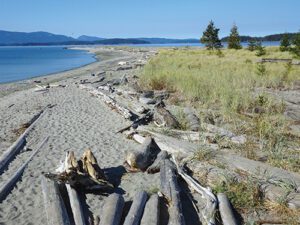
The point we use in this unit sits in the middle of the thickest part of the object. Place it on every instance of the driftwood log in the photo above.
(155, 167)
(192, 119)
(113, 209)
(211, 206)
(8, 185)
(54, 206)
(163, 117)
(11, 152)
(226, 210)
(82, 174)
(142, 120)
(142, 159)
(110, 101)
(137, 208)
(170, 190)
(152, 211)
(76, 206)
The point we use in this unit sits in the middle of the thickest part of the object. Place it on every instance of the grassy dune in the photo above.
(233, 84)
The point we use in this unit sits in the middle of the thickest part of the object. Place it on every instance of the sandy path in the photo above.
(80, 122)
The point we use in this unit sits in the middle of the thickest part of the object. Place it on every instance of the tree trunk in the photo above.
(137, 208)
(76, 207)
(113, 209)
(152, 211)
(226, 210)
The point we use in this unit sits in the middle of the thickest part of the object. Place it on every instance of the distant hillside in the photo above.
(272, 37)
(8, 37)
(169, 40)
(89, 38)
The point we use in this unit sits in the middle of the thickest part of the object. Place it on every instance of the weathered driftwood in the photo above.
(275, 60)
(170, 190)
(226, 211)
(84, 173)
(110, 101)
(113, 209)
(142, 120)
(142, 159)
(76, 207)
(192, 119)
(6, 188)
(11, 152)
(54, 206)
(137, 208)
(211, 205)
(163, 117)
(152, 211)
(155, 167)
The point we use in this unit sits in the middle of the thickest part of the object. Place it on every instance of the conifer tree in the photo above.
(296, 45)
(285, 43)
(252, 45)
(261, 50)
(234, 38)
(211, 37)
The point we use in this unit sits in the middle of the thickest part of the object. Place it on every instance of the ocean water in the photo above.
(20, 63)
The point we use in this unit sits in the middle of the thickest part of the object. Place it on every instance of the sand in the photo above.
(77, 122)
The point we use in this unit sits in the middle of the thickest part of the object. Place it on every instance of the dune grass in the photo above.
(234, 84)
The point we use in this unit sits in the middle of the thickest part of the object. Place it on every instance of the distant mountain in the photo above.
(272, 37)
(8, 37)
(168, 40)
(89, 38)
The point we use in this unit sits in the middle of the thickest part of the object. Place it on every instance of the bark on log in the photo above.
(76, 207)
(152, 211)
(137, 208)
(226, 210)
(193, 120)
(155, 167)
(113, 209)
(170, 189)
(54, 206)
(110, 101)
(6, 188)
(11, 152)
(143, 158)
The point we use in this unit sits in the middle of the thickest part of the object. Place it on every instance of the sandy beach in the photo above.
(76, 122)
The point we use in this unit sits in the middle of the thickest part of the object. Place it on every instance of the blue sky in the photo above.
(152, 18)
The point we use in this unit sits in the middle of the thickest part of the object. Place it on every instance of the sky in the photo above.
(152, 18)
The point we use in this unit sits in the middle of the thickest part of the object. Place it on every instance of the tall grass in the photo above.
(226, 81)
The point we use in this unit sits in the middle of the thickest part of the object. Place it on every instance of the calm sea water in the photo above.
(20, 63)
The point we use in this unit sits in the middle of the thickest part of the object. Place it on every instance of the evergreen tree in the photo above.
(252, 45)
(261, 50)
(285, 43)
(234, 38)
(296, 45)
(210, 37)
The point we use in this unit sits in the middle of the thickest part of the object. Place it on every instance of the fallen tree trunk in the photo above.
(155, 167)
(170, 190)
(110, 101)
(226, 210)
(54, 206)
(211, 206)
(77, 210)
(10, 153)
(152, 211)
(137, 208)
(113, 209)
(6, 188)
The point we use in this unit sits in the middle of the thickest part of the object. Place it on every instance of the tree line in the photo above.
(211, 40)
